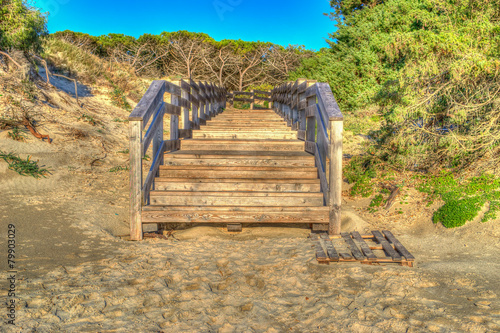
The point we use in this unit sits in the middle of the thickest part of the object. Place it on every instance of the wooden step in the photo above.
(276, 199)
(225, 168)
(244, 135)
(249, 174)
(250, 161)
(263, 145)
(165, 184)
(276, 155)
(232, 214)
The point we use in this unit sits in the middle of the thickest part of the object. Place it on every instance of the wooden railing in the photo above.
(254, 95)
(196, 102)
(310, 108)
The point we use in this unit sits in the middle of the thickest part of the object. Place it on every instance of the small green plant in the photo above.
(146, 158)
(118, 169)
(17, 134)
(377, 201)
(126, 151)
(118, 120)
(118, 99)
(463, 198)
(360, 172)
(88, 119)
(25, 167)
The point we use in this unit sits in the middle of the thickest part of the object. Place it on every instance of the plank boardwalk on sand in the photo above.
(239, 167)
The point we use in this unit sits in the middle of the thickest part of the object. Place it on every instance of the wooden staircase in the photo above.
(244, 166)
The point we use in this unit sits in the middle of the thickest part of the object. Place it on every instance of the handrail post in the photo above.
(174, 119)
(135, 179)
(253, 100)
(185, 114)
(335, 186)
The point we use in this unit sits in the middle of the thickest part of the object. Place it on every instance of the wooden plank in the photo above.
(330, 249)
(155, 124)
(189, 199)
(335, 196)
(193, 185)
(302, 87)
(172, 88)
(327, 102)
(302, 105)
(185, 86)
(185, 133)
(310, 147)
(183, 102)
(250, 100)
(194, 85)
(385, 244)
(172, 145)
(234, 227)
(152, 172)
(262, 98)
(320, 253)
(135, 176)
(172, 109)
(216, 174)
(301, 135)
(242, 93)
(311, 91)
(149, 102)
(397, 244)
(352, 246)
(364, 247)
(322, 176)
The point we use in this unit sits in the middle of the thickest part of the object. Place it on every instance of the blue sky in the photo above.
(281, 22)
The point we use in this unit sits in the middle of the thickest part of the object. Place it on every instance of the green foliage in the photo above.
(360, 172)
(118, 98)
(21, 25)
(432, 69)
(89, 119)
(463, 198)
(377, 201)
(119, 168)
(17, 134)
(23, 167)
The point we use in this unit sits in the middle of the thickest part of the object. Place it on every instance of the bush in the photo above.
(21, 26)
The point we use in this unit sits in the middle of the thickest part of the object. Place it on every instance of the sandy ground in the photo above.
(76, 275)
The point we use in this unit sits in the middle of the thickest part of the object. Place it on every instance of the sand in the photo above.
(76, 275)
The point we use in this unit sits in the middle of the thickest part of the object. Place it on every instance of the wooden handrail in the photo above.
(195, 102)
(310, 108)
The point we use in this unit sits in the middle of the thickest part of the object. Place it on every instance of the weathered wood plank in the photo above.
(185, 133)
(249, 100)
(135, 179)
(335, 196)
(149, 102)
(152, 172)
(364, 247)
(385, 244)
(310, 146)
(330, 249)
(352, 246)
(155, 124)
(193, 185)
(327, 102)
(172, 88)
(397, 244)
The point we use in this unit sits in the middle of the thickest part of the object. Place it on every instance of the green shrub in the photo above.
(21, 26)
(25, 167)
(463, 198)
